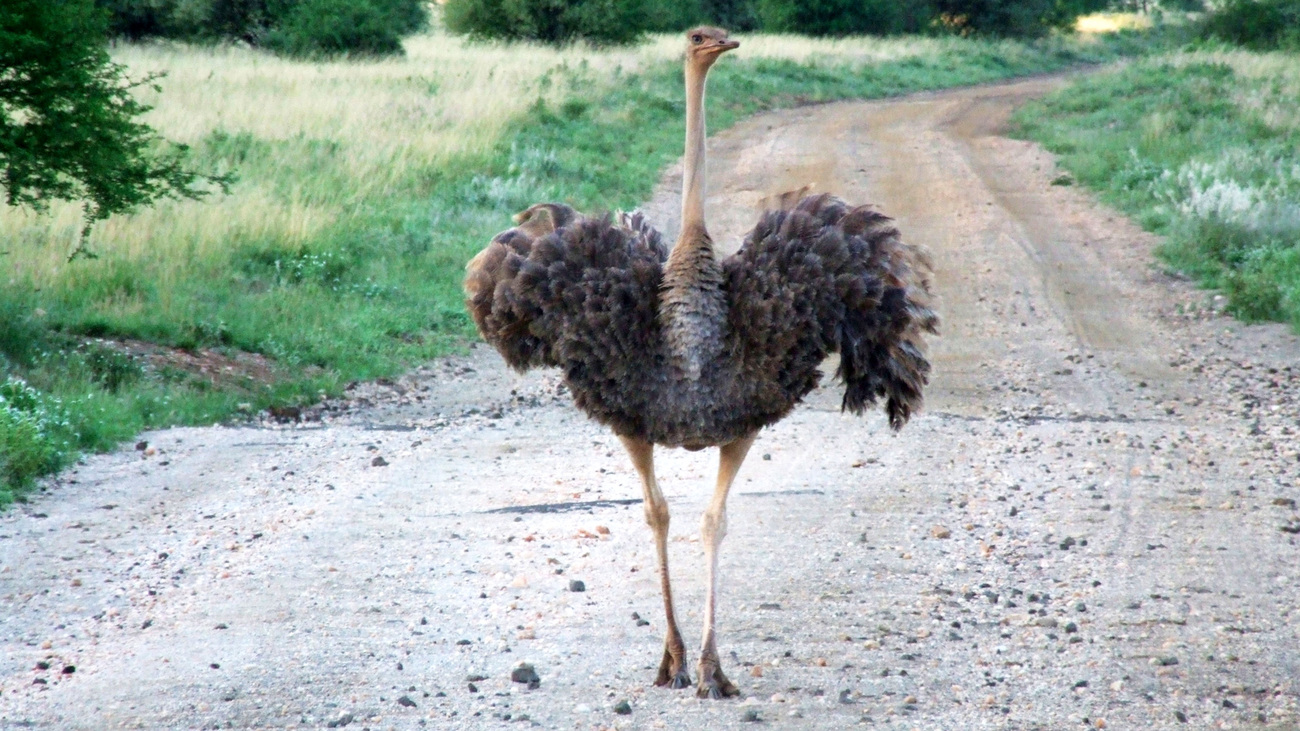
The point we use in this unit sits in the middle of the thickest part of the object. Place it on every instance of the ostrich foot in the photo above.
(713, 684)
(672, 670)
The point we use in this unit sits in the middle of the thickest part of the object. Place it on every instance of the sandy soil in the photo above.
(1093, 524)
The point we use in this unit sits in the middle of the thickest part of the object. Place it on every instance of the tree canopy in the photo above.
(69, 125)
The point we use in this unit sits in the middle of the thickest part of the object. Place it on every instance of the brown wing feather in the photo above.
(819, 277)
(560, 289)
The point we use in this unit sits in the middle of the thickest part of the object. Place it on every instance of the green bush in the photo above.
(329, 27)
(551, 21)
(32, 436)
(1257, 24)
(1013, 18)
(294, 27)
(837, 17)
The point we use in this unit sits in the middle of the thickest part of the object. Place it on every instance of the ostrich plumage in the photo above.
(680, 349)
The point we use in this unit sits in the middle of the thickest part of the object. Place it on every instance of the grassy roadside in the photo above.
(339, 254)
(1202, 148)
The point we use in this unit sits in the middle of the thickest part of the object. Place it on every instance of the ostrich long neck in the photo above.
(693, 164)
(692, 303)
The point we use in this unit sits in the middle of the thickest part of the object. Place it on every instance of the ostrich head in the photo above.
(705, 44)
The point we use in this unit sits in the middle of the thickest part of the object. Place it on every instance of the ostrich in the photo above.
(679, 349)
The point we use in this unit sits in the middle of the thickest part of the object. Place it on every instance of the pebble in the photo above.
(378, 462)
(756, 671)
(623, 708)
(341, 721)
(576, 585)
(940, 531)
(525, 673)
(751, 716)
(406, 702)
(582, 708)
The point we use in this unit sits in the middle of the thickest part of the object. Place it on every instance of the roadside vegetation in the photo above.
(1203, 148)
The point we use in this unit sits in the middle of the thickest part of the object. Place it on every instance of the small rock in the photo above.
(341, 721)
(1182, 717)
(464, 642)
(520, 582)
(623, 708)
(1067, 543)
(1166, 661)
(69, 669)
(473, 688)
(406, 702)
(767, 458)
(1080, 607)
(756, 671)
(940, 531)
(582, 708)
(910, 700)
(1071, 628)
(525, 673)
(750, 716)
(141, 446)
(475, 678)
(577, 585)
(1284, 502)
(378, 462)
(230, 695)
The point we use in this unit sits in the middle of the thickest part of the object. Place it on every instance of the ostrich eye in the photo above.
(697, 39)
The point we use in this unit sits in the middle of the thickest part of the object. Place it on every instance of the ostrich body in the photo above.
(680, 349)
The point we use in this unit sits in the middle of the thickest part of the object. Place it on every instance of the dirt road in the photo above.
(1093, 524)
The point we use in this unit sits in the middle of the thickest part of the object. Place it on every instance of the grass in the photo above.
(363, 188)
(1203, 148)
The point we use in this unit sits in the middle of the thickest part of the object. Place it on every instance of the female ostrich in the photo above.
(682, 350)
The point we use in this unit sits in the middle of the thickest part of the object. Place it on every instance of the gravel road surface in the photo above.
(1093, 525)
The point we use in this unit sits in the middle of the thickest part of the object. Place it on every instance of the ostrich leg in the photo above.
(672, 669)
(713, 684)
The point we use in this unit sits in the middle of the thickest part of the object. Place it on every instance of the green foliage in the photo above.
(330, 27)
(69, 127)
(1171, 145)
(552, 21)
(33, 439)
(838, 17)
(1257, 24)
(292, 27)
(1017, 18)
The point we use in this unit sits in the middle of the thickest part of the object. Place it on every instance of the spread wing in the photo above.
(564, 290)
(816, 277)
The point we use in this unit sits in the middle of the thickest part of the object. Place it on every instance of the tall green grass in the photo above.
(377, 287)
(1204, 149)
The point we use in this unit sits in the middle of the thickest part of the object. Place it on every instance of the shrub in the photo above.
(32, 441)
(328, 27)
(296, 27)
(551, 21)
(1256, 24)
(833, 17)
(1016, 18)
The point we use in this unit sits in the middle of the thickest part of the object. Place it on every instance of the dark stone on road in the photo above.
(576, 585)
(525, 673)
(475, 678)
(69, 669)
(378, 462)
(406, 702)
(750, 716)
(340, 722)
(623, 708)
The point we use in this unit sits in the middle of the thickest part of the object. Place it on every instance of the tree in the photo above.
(69, 126)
